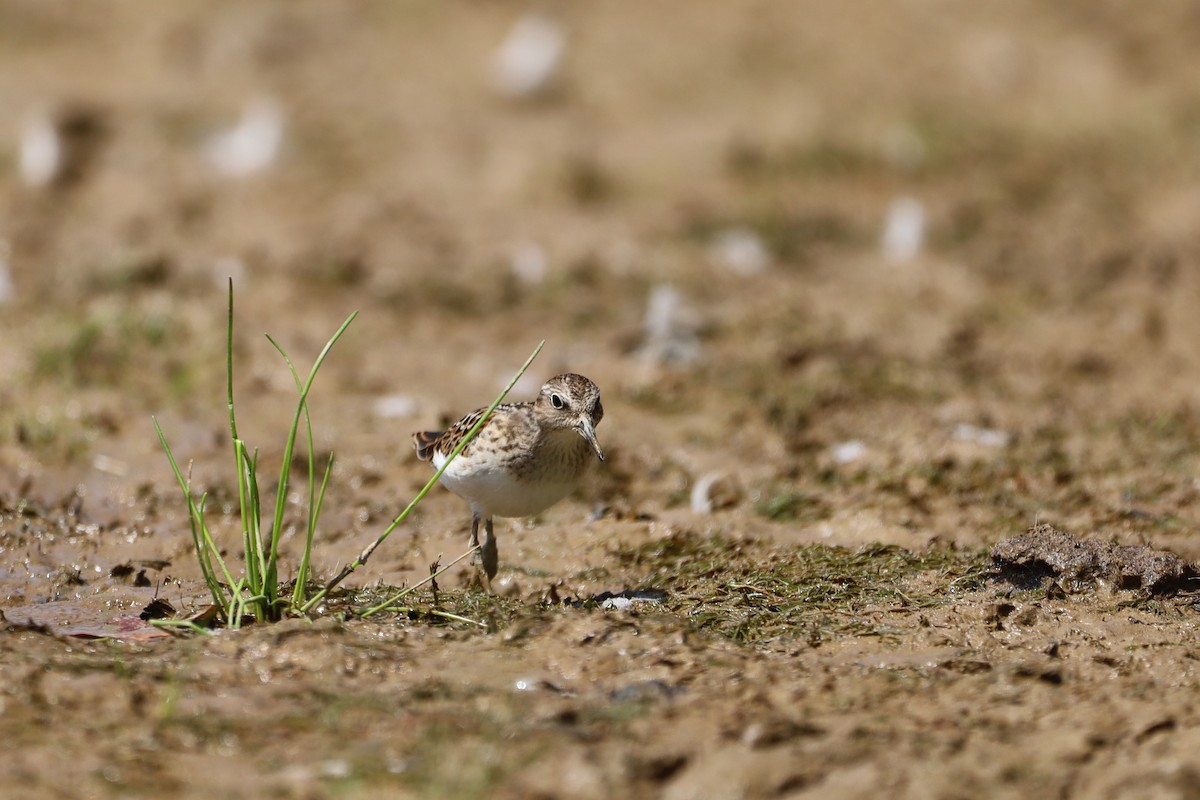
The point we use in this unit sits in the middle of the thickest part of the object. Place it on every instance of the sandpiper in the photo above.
(526, 458)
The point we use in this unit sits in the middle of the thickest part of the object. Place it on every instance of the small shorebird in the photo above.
(525, 458)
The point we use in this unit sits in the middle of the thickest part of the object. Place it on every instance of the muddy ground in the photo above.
(691, 212)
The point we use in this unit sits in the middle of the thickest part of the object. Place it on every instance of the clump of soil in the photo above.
(1079, 564)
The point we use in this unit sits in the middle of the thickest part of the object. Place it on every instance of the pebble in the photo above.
(988, 437)
(714, 491)
(742, 251)
(252, 145)
(7, 290)
(528, 60)
(904, 230)
(394, 406)
(529, 263)
(670, 330)
(847, 452)
(40, 158)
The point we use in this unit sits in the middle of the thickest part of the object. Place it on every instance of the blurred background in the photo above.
(885, 271)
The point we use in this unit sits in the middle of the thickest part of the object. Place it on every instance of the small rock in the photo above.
(252, 145)
(713, 492)
(904, 230)
(7, 290)
(393, 406)
(617, 604)
(847, 452)
(57, 145)
(988, 437)
(527, 684)
(506, 586)
(529, 263)
(630, 598)
(40, 158)
(528, 60)
(741, 251)
(109, 465)
(670, 329)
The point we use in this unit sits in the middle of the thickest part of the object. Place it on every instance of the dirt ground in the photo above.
(868, 288)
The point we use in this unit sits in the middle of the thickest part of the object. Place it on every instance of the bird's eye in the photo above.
(557, 401)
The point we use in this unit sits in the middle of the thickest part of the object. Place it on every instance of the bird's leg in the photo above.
(485, 556)
(478, 558)
(491, 557)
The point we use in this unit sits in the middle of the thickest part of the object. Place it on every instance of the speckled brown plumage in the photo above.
(525, 458)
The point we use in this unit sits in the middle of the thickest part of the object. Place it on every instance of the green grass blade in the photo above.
(246, 467)
(206, 547)
(248, 513)
(305, 559)
(272, 575)
(256, 517)
(229, 364)
(285, 472)
(203, 552)
(210, 552)
(258, 591)
(201, 537)
(313, 511)
(298, 594)
(238, 445)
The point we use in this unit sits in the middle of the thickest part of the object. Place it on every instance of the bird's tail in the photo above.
(425, 442)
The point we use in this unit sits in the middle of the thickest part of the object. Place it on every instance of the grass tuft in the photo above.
(752, 591)
(256, 594)
(259, 594)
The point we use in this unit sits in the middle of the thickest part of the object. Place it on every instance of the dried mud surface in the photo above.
(819, 450)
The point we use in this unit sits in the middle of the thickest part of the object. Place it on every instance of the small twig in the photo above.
(433, 573)
(437, 612)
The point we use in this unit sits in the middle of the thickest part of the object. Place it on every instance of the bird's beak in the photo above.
(588, 431)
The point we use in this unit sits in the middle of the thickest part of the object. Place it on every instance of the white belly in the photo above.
(496, 492)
